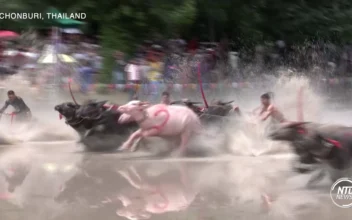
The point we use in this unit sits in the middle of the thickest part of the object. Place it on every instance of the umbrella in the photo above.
(8, 35)
(71, 31)
(79, 56)
(10, 53)
(29, 66)
(52, 58)
(31, 55)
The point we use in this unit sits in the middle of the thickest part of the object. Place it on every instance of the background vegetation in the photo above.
(122, 24)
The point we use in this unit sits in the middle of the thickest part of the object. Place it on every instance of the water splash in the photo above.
(249, 136)
(44, 127)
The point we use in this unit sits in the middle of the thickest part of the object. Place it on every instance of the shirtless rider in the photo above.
(269, 109)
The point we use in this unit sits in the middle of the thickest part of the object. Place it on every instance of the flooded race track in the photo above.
(46, 175)
(57, 181)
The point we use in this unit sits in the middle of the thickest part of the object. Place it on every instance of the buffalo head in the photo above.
(67, 109)
(222, 103)
(288, 131)
(91, 109)
(133, 107)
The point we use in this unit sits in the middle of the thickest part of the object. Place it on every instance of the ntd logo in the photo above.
(341, 193)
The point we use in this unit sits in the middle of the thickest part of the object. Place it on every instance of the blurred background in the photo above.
(141, 46)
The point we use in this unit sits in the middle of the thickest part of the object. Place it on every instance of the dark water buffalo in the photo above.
(318, 143)
(214, 113)
(96, 124)
(219, 109)
(192, 105)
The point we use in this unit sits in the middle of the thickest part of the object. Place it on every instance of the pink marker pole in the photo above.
(69, 87)
(201, 86)
(300, 117)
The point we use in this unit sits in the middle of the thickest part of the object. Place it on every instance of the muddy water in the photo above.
(58, 181)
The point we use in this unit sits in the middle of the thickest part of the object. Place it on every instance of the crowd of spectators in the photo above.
(174, 61)
(178, 61)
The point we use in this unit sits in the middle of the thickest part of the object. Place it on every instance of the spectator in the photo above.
(155, 74)
(169, 69)
(98, 63)
(86, 73)
(143, 70)
(193, 45)
(119, 73)
(133, 76)
(165, 98)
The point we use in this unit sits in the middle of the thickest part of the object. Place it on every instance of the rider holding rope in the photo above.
(22, 112)
(269, 110)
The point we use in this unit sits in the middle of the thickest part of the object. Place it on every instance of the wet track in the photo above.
(57, 181)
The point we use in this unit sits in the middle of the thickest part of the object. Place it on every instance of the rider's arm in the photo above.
(267, 113)
(4, 107)
(255, 111)
(21, 106)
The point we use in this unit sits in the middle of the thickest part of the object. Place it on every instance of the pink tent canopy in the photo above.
(8, 35)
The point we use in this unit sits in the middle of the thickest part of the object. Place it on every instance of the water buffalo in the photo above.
(316, 143)
(192, 105)
(161, 120)
(219, 109)
(97, 124)
(215, 112)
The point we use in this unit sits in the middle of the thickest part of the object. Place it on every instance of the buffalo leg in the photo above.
(300, 167)
(88, 132)
(131, 139)
(147, 133)
(136, 145)
(138, 134)
(304, 158)
(184, 141)
(337, 174)
(316, 177)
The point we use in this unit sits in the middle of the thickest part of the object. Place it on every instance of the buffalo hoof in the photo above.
(136, 145)
(302, 170)
(124, 147)
(88, 133)
(316, 178)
